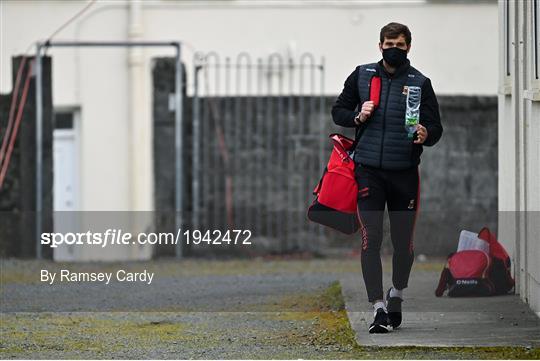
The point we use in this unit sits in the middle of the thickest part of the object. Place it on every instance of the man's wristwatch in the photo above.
(357, 120)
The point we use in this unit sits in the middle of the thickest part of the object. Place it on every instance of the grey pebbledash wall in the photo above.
(17, 196)
(458, 175)
(163, 70)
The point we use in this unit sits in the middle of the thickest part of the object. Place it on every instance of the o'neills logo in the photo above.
(466, 282)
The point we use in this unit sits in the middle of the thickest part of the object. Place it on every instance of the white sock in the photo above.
(396, 293)
(378, 305)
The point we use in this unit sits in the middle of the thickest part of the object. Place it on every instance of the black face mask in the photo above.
(394, 56)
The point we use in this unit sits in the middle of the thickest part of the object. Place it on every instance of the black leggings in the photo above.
(400, 190)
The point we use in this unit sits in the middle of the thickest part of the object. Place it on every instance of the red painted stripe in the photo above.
(411, 245)
(363, 229)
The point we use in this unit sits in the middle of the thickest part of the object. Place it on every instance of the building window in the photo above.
(63, 120)
(536, 36)
(507, 41)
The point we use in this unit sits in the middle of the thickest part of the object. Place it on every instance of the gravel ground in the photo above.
(248, 309)
(245, 309)
(180, 286)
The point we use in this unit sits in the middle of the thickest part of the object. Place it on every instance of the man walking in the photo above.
(387, 159)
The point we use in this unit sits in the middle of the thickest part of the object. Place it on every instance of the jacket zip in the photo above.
(384, 121)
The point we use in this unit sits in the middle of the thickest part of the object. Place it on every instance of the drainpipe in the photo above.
(140, 128)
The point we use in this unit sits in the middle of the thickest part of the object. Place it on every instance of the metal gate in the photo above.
(258, 146)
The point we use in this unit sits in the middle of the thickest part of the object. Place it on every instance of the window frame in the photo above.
(505, 70)
(535, 27)
(533, 39)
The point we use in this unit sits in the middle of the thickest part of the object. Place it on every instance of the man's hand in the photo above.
(367, 109)
(421, 134)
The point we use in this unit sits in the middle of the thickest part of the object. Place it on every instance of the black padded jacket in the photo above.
(383, 141)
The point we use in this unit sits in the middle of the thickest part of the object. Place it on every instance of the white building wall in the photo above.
(519, 147)
(344, 32)
(532, 150)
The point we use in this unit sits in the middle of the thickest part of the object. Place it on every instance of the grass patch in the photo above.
(326, 311)
(93, 335)
(452, 353)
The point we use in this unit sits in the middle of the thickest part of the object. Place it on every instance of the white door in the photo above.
(65, 186)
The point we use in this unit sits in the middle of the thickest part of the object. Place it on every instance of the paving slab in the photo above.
(446, 321)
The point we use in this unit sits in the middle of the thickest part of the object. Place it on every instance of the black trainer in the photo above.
(380, 324)
(393, 304)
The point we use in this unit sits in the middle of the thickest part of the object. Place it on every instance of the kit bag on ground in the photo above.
(480, 267)
(336, 193)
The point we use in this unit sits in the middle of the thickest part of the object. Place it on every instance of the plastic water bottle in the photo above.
(412, 113)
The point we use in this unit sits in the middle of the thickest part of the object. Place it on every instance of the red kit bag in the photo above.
(335, 204)
(484, 271)
(336, 193)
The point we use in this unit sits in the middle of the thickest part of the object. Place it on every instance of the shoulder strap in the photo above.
(374, 95)
(443, 282)
(357, 134)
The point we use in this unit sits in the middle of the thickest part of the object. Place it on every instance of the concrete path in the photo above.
(432, 321)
